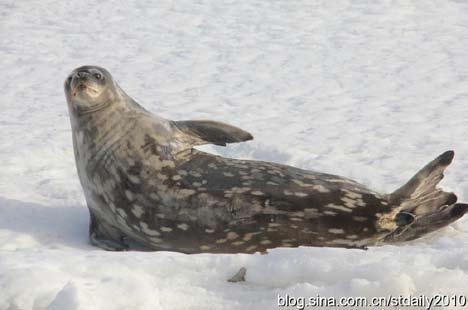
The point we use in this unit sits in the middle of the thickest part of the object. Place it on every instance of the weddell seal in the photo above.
(147, 188)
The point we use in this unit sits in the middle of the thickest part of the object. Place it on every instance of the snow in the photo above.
(371, 90)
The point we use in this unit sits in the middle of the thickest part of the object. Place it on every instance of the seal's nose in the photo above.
(81, 74)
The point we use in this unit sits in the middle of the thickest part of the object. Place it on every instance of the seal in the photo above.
(148, 188)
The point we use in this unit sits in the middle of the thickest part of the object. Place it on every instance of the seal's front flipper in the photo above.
(205, 132)
(104, 237)
(106, 244)
(239, 276)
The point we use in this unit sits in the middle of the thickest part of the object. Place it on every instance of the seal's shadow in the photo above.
(51, 226)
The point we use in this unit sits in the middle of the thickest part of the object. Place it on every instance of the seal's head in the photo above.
(89, 88)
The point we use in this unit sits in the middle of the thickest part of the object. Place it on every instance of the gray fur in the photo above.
(147, 188)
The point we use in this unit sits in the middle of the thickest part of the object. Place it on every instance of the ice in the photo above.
(371, 90)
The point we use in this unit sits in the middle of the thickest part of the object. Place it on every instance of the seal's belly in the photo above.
(223, 227)
(213, 204)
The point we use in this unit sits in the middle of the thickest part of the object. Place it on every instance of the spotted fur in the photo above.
(148, 188)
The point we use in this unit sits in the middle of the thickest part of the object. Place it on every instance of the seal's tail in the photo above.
(422, 207)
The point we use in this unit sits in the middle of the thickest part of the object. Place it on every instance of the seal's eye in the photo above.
(98, 76)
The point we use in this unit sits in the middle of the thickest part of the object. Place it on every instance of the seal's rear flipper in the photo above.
(423, 208)
(420, 195)
(205, 132)
(427, 223)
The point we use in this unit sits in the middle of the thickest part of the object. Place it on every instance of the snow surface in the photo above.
(370, 90)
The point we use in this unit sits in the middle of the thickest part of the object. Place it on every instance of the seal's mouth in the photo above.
(81, 87)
